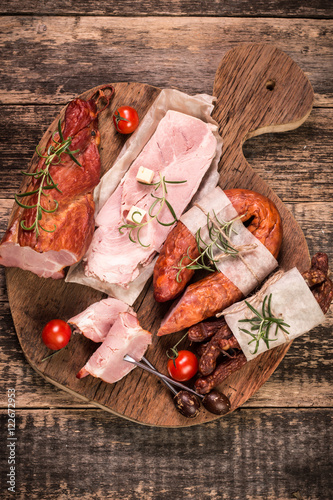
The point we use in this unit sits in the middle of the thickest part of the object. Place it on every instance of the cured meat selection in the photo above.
(215, 369)
(181, 149)
(66, 213)
(214, 293)
(125, 337)
(95, 321)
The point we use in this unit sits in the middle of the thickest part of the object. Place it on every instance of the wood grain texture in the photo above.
(93, 455)
(90, 454)
(163, 52)
(242, 8)
(252, 109)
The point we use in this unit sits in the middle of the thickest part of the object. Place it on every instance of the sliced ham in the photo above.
(182, 148)
(95, 321)
(51, 252)
(125, 337)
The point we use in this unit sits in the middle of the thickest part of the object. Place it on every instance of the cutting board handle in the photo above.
(259, 89)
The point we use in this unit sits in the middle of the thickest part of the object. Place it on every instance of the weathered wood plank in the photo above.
(182, 52)
(303, 155)
(228, 8)
(260, 455)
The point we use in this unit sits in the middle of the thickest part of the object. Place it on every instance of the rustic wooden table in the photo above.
(277, 446)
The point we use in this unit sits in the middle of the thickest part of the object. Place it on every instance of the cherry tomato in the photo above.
(125, 119)
(186, 366)
(56, 334)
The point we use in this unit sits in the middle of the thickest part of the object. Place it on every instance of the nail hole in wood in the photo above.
(270, 84)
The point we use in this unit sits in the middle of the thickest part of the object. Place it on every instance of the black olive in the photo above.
(187, 404)
(216, 402)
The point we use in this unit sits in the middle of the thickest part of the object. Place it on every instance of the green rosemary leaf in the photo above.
(173, 213)
(174, 182)
(48, 230)
(262, 323)
(22, 205)
(165, 223)
(253, 309)
(125, 226)
(74, 159)
(51, 181)
(23, 195)
(153, 205)
(131, 237)
(160, 202)
(60, 131)
(40, 154)
(33, 174)
(23, 226)
(51, 211)
(52, 156)
(133, 219)
(139, 241)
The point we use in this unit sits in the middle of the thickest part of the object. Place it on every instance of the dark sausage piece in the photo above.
(205, 384)
(216, 292)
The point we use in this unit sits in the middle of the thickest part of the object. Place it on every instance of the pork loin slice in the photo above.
(181, 149)
(95, 321)
(125, 337)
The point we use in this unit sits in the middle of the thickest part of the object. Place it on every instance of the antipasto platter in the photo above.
(258, 89)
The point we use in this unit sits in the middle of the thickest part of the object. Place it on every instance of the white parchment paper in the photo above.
(292, 300)
(247, 271)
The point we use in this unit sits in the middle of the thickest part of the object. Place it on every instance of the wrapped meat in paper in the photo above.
(289, 300)
(252, 263)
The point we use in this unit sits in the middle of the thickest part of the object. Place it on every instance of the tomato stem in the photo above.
(53, 353)
(174, 350)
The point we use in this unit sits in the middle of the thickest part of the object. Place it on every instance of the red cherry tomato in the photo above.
(186, 366)
(56, 334)
(125, 119)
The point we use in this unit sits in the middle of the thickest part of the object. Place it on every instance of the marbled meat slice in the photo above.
(181, 149)
(95, 321)
(125, 337)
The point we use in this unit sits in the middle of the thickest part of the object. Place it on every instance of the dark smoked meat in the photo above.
(51, 252)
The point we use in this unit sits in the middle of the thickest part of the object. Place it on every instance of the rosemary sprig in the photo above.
(261, 324)
(160, 202)
(53, 156)
(217, 232)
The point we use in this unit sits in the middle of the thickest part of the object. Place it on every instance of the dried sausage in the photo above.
(214, 293)
(221, 336)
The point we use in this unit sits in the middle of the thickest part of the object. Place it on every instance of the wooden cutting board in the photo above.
(258, 89)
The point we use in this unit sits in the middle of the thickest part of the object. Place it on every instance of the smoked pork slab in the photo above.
(51, 252)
